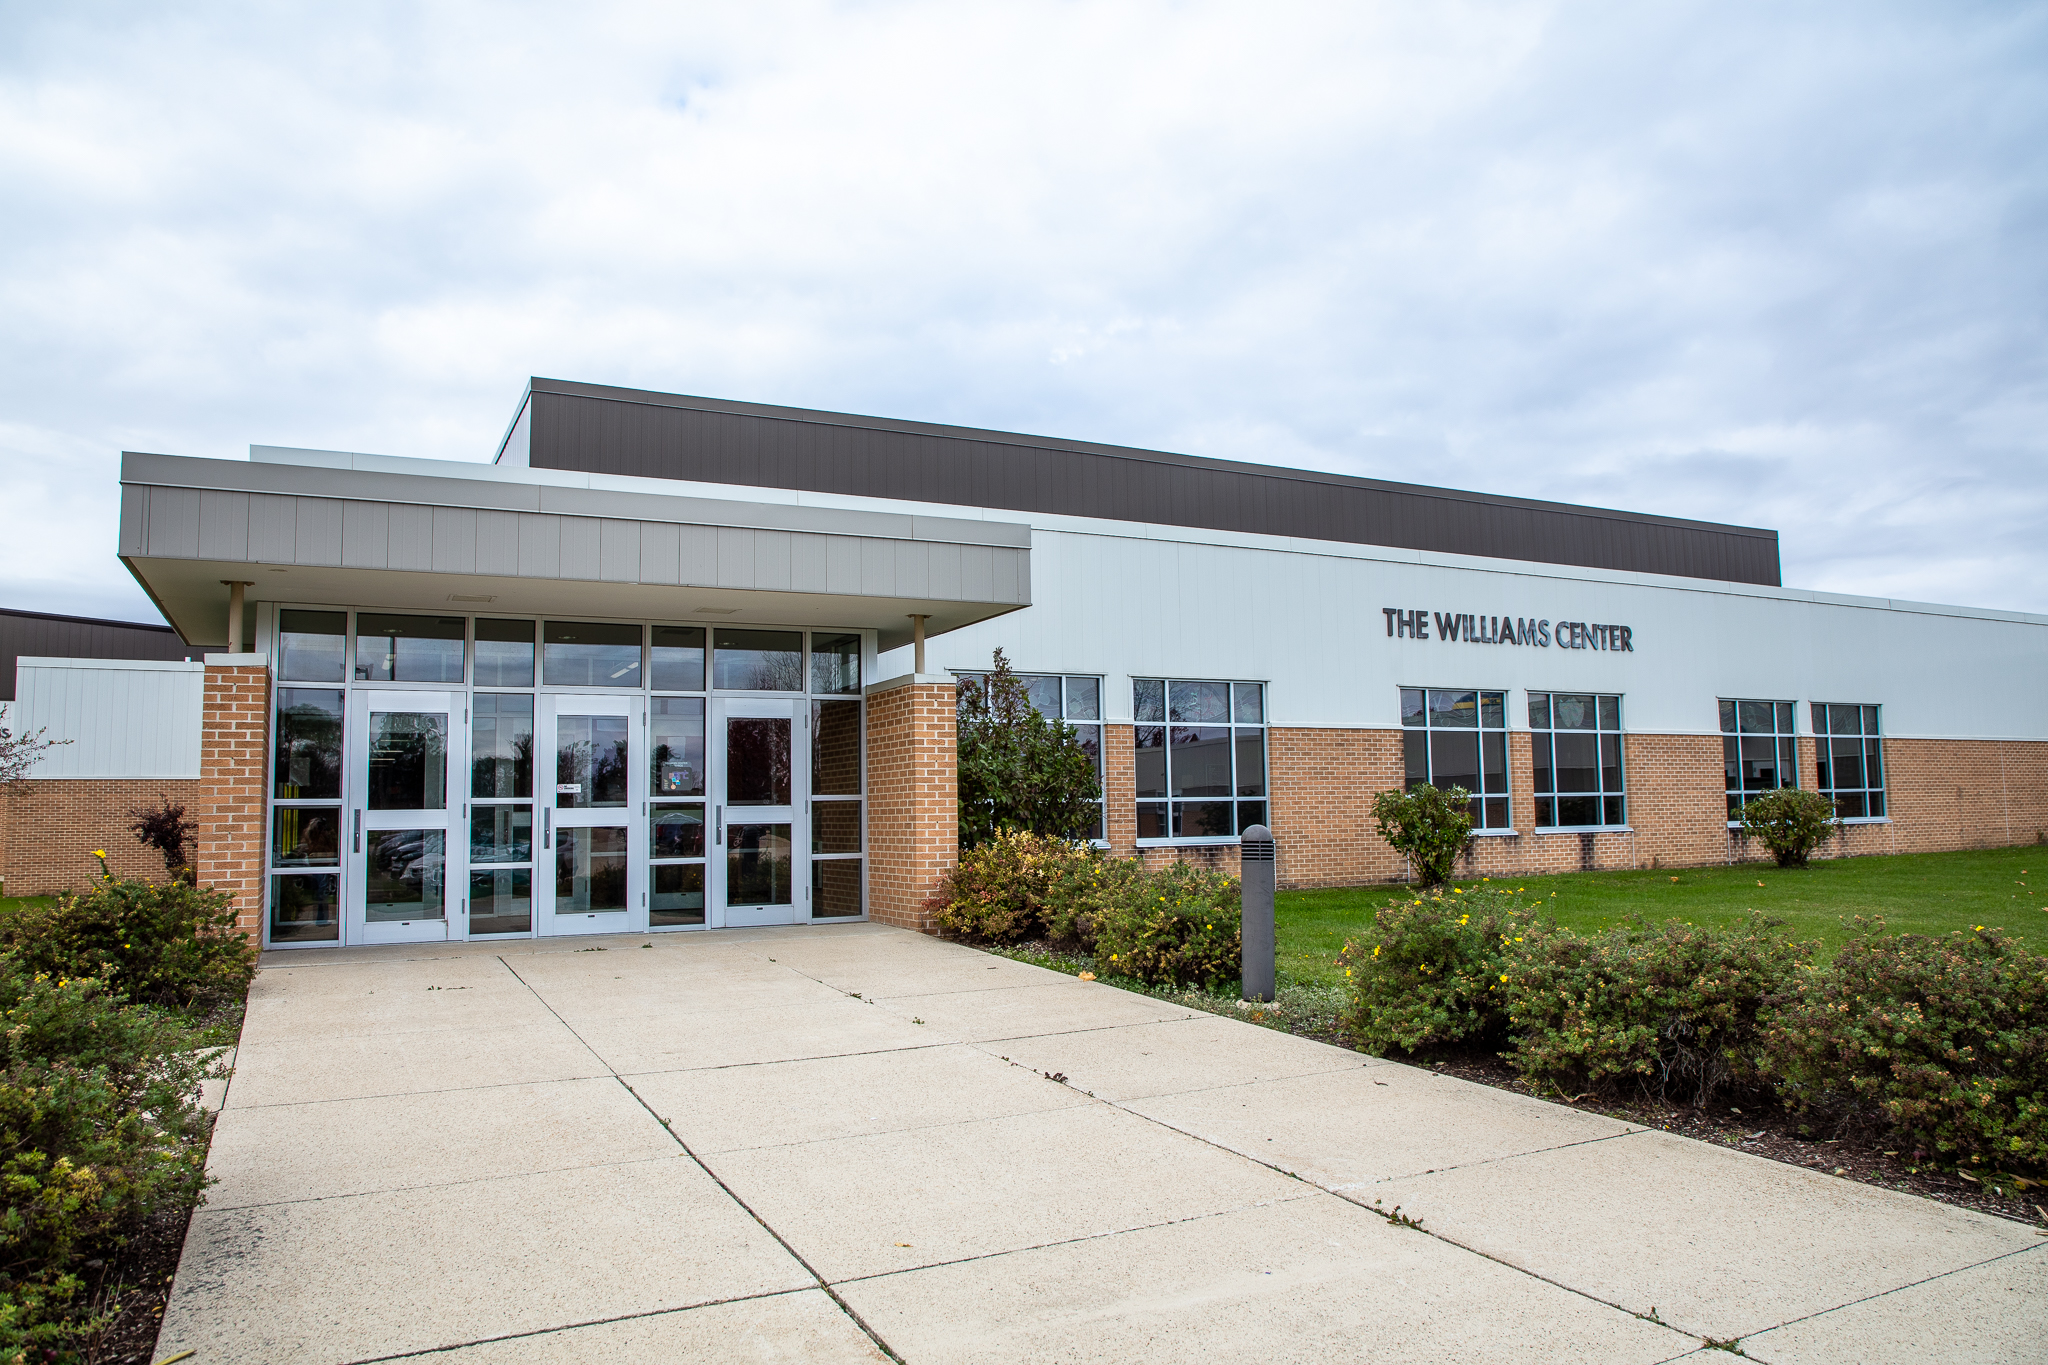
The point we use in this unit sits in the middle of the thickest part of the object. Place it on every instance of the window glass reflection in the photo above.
(408, 760)
(504, 653)
(758, 660)
(757, 771)
(835, 663)
(404, 869)
(590, 761)
(311, 645)
(501, 744)
(393, 648)
(676, 659)
(590, 870)
(305, 836)
(835, 748)
(308, 750)
(590, 654)
(676, 743)
(757, 865)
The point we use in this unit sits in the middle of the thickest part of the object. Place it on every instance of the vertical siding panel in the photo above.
(318, 531)
(699, 550)
(578, 537)
(660, 553)
(223, 525)
(735, 568)
(618, 551)
(454, 540)
(366, 535)
(273, 528)
(807, 563)
(497, 543)
(540, 545)
(174, 523)
(772, 555)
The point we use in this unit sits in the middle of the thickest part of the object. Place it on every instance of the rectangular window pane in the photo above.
(757, 761)
(1578, 762)
(305, 836)
(1615, 813)
(1758, 717)
(403, 874)
(758, 660)
(675, 741)
(675, 830)
(504, 653)
(1148, 700)
(1727, 717)
(1731, 762)
(590, 870)
(1196, 703)
(1089, 737)
(675, 658)
(1610, 713)
(1870, 720)
(1415, 748)
(1250, 813)
(1044, 691)
(1493, 710)
(1784, 710)
(311, 645)
(408, 760)
(1546, 812)
(1876, 805)
(1493, 749)
(835, 888)
(1248, 702)
(1845, 720)
(1610, 763)
(1539, 710)
(1453, 709)
(590, 761)
(835, 748)
(308, 762)
(501, 745)
(1152, 820)
(835, 827)
(1820, 718)
(835, 663)
(1847, 756)
(1850, 805)
(1759, 765)
(677, 896)
(1573, 711)
(501, 901)
(1540, 758)
(590, 654)
(500, 834)
(757, 865)
(1411, 706)
(1454, 760)
(1200, 759)
(1496, 812)
(1873, 765)
(1578, 810)
(408, 648)
(1150, 765)
(1084, 699)
(1251, 762)
(306, 909)
(1202, 819)
(1788, 764)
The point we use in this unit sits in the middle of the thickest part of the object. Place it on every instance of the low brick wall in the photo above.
(49, 828)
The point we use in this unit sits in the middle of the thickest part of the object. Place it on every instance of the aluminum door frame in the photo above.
(797, 710)
(548, 708)
(358, 706)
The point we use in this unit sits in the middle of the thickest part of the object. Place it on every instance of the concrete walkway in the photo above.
(808, 1144)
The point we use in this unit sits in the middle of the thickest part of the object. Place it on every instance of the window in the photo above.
(1201, 757)
(1851, 765)
(1459, 738)
(305, 811)
(1071, 697)
(1756, 749)
(1575, 757)
(501, 809)
(589, 654)
(392, 648)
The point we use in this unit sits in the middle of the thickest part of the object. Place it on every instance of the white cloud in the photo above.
(1733, 262)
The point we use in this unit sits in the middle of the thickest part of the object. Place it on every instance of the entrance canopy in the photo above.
(324, 526)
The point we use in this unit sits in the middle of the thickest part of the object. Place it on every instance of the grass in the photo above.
(1918, 893)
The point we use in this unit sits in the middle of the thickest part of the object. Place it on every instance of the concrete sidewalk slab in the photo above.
(1062, 1005)
(1301, 1283)
(828, 1025)
(333, 1280)
(802, 1326)
(1720, 1243)
(1347, 1130)
(284, 1152)
(2005, 1321)
(300, 1069)
(781, 1104)
(862, 1205)
(1204, 1052)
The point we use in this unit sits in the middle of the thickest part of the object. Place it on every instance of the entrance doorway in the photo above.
(760, 836)
(592, 883)
(399, 823)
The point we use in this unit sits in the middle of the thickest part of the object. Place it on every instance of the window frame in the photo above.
(1482, 800)
(1785, 719)
(1238, 801)
(1100, 838)
(1545, 737)
(1871, 733)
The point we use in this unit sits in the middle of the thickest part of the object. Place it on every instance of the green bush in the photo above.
(99, 1129)
(1430, 828)
(1945, 1039)
(1083, 892)
(998, 891)
(157, 943)
(1674, 1007)
(1791, 823)
(1432, 971)
(1177, 926)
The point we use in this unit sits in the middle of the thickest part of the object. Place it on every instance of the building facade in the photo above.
(672, 663)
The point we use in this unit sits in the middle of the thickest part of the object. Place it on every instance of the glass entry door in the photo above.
(588, 881)
(760, 837)
(399, 840)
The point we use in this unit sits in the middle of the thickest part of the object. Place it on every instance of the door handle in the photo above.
(547, 826)
(359, 833)
(718, 835)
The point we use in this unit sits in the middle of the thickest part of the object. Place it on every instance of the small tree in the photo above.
(164, 828)
(1018, 769)
(1430, 827)
(1789, 822)
(18, 753)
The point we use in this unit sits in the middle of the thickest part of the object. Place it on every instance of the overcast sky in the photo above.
(1768, 264)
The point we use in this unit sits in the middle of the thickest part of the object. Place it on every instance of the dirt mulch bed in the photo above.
(136, 1285)
(1767, 1129)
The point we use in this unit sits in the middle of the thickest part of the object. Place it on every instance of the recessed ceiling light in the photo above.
(718, 611)
(471, 597)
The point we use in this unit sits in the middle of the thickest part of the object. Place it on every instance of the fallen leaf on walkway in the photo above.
(903, 1244)
(1087, 976)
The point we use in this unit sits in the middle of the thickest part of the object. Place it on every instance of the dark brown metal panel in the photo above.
(621, 431)
(41, 635)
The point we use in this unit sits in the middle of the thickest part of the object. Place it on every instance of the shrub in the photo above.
(1085, 890)
(1671, 1007)
(1430, 971)
(1018, 769)
(1791, 823)
(1945, 1039)
(1177, 926)
(1428, 827)
(171, 944)
(99, 1129)
(164, 828)
(998, 891)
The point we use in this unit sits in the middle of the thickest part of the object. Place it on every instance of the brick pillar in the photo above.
(234, 733)
(913, 812)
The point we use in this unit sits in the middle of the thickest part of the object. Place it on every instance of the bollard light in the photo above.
(1255, 890)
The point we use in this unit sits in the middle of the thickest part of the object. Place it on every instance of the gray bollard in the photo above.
(1255, 889)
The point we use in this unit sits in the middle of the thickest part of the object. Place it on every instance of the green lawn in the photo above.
(1921, 893)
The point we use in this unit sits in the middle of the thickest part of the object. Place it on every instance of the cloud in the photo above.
(1732, 262)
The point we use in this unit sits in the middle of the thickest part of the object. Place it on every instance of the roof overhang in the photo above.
(433, 542)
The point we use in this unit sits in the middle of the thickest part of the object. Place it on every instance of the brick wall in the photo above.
(913, 812)
(49, 828)
(233, 740)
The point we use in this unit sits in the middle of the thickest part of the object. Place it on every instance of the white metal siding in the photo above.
(124, 718)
